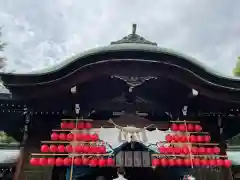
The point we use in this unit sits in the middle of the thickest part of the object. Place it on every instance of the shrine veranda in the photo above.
(130, 105)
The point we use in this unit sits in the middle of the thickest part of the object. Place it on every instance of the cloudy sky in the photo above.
(41, 33)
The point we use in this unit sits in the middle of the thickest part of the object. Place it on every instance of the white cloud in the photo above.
(42, 33)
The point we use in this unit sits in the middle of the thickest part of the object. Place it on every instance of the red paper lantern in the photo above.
(34, 161)
(162, 150)
(170, 150)
(185, 150)
(88, 125)
(62, 137)
(194, 150)
(64, 125)
(193, 139)
(174, 127)
(187, 162)
(67, 161)
(177, 150)
(78, 161)
(169, 138)
(61, 148)
(70, 137)
(86, 149)
(227, 163)
(93, 149)
(102, 149)
(59, 162)
(155, 162)
(182, 127)
(51, 161)
(87, 137)
(190, 127)
(196, 162)
(183, 139)
(212, 162)
(79, 149)
(80, 125)
(53, 148)
(206, 138)
(94, 137)
(54, 136)
(164, 162)
(43, 161)
(69, 148)
(102, 162)
(198, 128)
(209, 150)
(201, 150)
(71, 125)
(175, 138)
(85, 161)
(179, 162)
(204, 162)
(216, 150)
(220, 162)
(172, 162)
(200, 139)
(110, 162)
(93, 162)
(44, 148)
(79, 137)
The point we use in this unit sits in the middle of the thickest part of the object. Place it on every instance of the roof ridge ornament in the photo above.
(134, 38)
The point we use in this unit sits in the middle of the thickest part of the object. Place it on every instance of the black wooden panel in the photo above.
(146, 161)
(137, 156)
(120, 159)
(128, 158)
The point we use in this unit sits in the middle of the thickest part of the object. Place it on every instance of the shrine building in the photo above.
(130, 108)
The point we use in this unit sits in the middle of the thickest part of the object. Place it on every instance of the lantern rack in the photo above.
(198, 155)
(195, 132)
(68, 154)
(73, 130)
(192, 122)
(67, 142)
(66, 138)
(189, 143)
(180, 148)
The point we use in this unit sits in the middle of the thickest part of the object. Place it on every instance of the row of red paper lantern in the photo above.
(192, 138)
(187, 150)
(70, 149)
(69, 161)
(186, 127)
(78, 125)
(75, 136)
(189, 162)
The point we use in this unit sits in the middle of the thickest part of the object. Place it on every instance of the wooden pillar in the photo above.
(24, 149)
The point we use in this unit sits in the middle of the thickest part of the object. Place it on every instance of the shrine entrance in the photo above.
(133, 161)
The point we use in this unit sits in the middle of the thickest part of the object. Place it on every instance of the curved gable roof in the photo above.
(133, 48)
(128, 46)
(143, 52)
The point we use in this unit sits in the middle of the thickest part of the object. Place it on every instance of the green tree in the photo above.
(236, 70)
(2, 59)
(5, 138)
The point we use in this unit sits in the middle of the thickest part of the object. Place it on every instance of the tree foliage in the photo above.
(236, 70)
(2, 59)
(4, 138)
